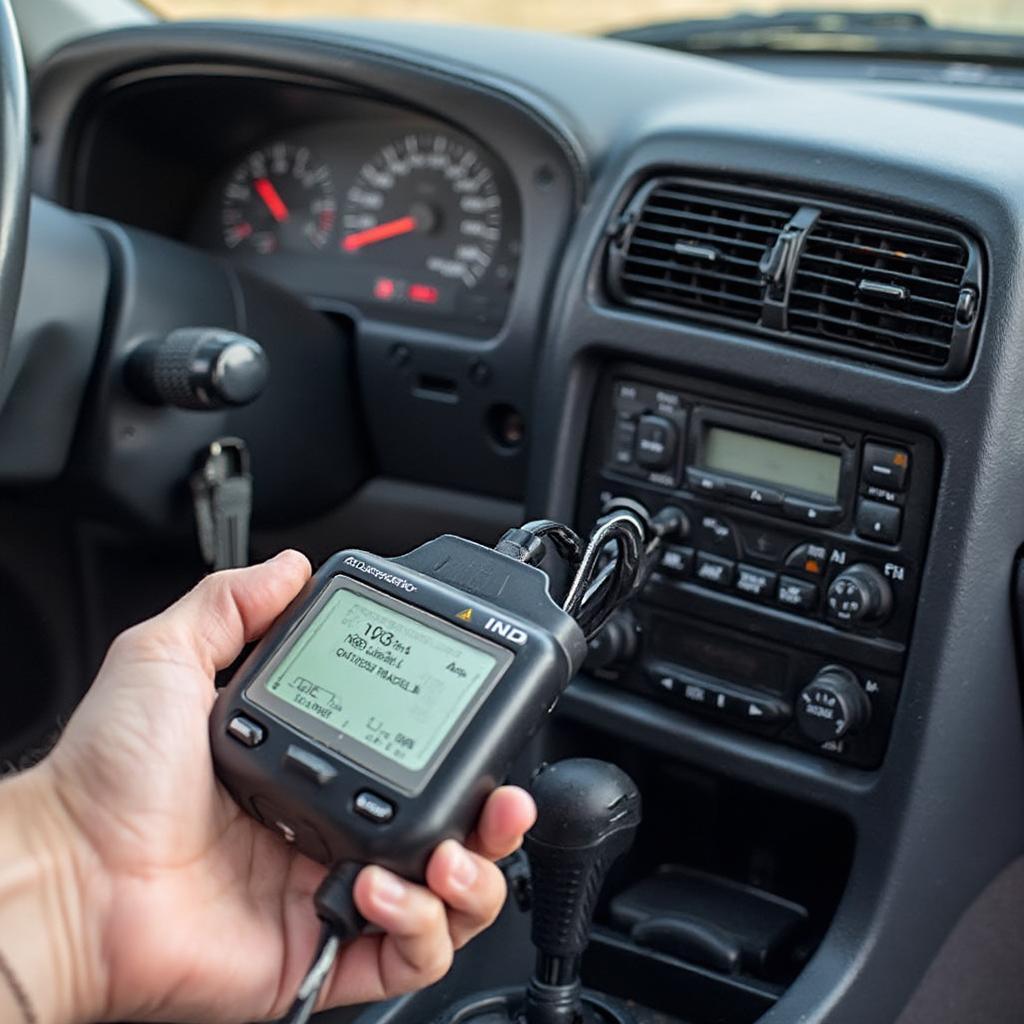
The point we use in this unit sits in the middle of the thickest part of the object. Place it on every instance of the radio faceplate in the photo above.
(806, 543)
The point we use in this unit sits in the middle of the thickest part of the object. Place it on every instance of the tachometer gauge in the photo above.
(427, 211)
(280, 196)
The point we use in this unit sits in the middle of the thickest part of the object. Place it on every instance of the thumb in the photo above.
(226, 610)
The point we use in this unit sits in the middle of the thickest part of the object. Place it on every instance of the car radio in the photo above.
(787, 608)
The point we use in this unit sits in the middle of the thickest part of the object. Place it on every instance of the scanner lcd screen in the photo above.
(367, 677)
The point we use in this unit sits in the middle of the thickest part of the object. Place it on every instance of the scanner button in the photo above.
(246, 731)
(374, 807)
(305, 762)
(292, 830)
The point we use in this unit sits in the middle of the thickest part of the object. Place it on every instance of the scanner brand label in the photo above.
(380, 574)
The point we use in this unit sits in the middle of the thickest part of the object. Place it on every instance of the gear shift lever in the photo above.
(587, 815)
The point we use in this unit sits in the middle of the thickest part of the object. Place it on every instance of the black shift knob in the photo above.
(198, 368)
(588, 812)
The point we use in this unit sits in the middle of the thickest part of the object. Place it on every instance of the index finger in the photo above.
(217, 617)
(507, 816)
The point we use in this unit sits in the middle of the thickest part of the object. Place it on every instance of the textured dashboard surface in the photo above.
(946, 811)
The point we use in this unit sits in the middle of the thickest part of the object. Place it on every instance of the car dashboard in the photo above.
(573, 269)
(303, 184)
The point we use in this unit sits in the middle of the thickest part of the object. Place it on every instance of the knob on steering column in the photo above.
(198, 368)
(588, 812)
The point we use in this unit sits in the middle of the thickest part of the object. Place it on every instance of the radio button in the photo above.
(763, 544)
(716, 534)
(719, 572)
(630, 398)
(860, 594)
(704, 483)
(885, 466)
(374, 807)
(879, 522)
(757, 710)
(809, 558)
(676, 561)
(754, 582)
(624, 443)
(752, 494)
(656, 441)
(665, 682)
(798, 595)
(811, 512)
(698, 693)
(695, 692)
(832, 706)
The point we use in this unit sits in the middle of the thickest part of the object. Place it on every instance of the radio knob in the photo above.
(832, 705)
(859, 594)
(615, 644)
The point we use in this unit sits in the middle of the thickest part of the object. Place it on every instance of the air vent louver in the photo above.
(881, 288)
(699, 247)
(880, 285)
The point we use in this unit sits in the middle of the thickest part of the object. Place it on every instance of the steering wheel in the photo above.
(14, 186)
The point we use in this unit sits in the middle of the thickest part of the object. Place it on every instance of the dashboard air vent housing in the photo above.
(880, 284)
(698, 246)
(874, 286)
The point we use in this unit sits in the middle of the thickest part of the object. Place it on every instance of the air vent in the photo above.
(695, 247)
(880, 288)
(882, 285)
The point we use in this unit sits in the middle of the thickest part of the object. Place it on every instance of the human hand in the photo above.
(176, 905)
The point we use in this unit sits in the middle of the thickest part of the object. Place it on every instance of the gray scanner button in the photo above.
(246, 731)
(374, 807)
(305, 762)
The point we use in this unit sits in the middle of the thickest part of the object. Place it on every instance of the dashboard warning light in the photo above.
(426, 293)
(384, 288)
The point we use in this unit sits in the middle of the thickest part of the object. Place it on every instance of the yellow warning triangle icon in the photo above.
(465, 615)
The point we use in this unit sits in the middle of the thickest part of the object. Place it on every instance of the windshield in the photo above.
(591, 16)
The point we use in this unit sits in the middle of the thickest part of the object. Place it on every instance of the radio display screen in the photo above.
(787, 466)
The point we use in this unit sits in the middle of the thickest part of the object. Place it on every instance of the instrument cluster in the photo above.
(401, 216)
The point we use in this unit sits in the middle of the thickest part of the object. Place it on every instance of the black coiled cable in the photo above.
(613, 564)
(341, 922)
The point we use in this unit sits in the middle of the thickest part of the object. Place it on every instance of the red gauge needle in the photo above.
(271, 198)
(378, 233)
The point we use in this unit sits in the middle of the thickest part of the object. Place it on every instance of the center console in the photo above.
(788, 608)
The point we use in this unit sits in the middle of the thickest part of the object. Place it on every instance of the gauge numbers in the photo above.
(425, 203)
(280, 196)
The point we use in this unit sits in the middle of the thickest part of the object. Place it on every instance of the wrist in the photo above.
(50, 887)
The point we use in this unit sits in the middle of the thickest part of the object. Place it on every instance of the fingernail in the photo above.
(462, 869)
(388, 890)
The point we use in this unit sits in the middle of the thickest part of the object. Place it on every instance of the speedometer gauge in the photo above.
(426, 209)
(280, 196)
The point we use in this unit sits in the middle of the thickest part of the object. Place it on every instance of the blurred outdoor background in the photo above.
(589, 16)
